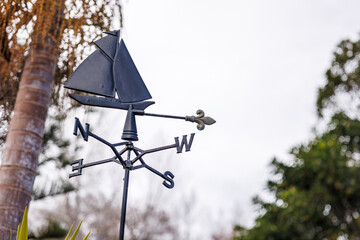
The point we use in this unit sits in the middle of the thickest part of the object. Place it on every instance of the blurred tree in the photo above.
(341, 90)
(102, 215)
(52, 230)
(317, 196)
(317, 193)
(41, 42)
(55, 149)
(150, 223)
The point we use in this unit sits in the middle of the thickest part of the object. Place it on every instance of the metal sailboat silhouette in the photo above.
(109, 70)
(110, 73)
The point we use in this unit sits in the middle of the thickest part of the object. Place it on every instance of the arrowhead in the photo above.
(208, 120)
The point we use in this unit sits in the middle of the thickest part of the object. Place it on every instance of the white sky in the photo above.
(254, 66)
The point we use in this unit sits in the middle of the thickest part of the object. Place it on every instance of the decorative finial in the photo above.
(200, 119)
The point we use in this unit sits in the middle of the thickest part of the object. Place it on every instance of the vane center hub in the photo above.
(128, 164)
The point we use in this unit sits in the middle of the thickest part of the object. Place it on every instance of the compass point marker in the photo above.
(184, 142)
(84, 133)
(76, 166)
(169, 183)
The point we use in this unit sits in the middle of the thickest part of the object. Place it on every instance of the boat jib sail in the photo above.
(108, 70)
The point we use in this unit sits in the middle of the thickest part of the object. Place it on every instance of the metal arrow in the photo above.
(138, 109)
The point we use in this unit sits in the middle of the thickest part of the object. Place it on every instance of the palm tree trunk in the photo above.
(24, 139)
(23, 143)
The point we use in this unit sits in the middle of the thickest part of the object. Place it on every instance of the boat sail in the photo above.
(109, 70)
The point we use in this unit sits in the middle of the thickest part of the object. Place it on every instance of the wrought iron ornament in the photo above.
(111, 74)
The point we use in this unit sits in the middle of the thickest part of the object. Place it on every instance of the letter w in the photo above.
(184, 141)
(84, 134)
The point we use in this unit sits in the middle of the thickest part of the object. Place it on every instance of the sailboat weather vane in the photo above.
(110, 73)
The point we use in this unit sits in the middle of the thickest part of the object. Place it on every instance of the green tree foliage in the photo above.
(53, 229)
(317, 193)
(342, 78)
(317, 196)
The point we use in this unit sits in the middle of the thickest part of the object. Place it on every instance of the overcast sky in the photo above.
(254, 66)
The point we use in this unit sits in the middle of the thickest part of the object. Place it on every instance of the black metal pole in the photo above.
(124, 202)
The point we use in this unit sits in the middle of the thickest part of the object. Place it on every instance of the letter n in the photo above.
(84, 134)
(184, 141)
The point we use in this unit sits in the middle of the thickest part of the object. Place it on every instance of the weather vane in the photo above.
(110, 73)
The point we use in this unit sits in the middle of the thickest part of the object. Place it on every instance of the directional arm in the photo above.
(85, 133)
(200, 119)
(78, 165)
(142, 153)
(178, 145)
(167, 176)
